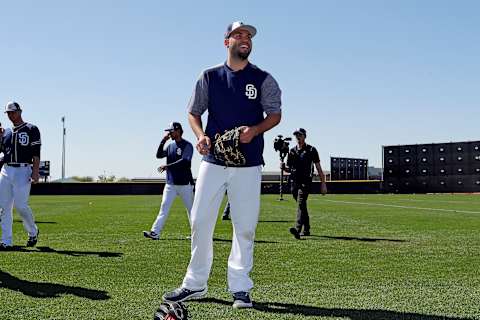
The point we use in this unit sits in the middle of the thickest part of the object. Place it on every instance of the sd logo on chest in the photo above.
(23, 138)
(251, 91)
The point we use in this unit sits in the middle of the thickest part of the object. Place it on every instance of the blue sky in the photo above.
(355, 74)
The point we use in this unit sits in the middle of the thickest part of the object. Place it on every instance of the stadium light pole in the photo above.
(64, 133)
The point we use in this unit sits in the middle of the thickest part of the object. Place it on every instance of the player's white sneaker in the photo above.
(151, 235)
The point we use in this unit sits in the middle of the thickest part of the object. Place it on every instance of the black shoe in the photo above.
(226, 217)
(151, 235)
(242, 300)
(32, 241)
(4, 247)
(183, 294)
(295, 233)
(305, 233)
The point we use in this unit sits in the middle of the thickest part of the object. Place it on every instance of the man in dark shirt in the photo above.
(179, 176)
(300, 162)
(21, 155)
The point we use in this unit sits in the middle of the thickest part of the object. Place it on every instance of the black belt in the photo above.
(17, 165)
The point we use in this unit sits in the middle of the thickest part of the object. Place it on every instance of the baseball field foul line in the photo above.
(429, 200)
(397, 206)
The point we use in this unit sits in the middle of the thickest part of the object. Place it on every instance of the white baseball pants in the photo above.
(170, 192)
(243, 186)
(14, 190)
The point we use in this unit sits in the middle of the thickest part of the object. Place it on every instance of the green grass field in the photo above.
(369, 257)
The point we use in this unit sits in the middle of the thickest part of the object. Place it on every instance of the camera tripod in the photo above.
(282, 158)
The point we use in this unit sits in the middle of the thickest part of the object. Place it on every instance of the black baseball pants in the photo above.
(300, 193)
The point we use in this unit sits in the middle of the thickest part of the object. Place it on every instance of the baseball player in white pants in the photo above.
(15, 190)
(243, 185)
(170, 192)
(21, 148)
(179, 176)
(236, 94)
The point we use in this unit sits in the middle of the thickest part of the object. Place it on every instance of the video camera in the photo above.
(281, 145)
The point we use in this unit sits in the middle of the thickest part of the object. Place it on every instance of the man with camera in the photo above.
(300, 162)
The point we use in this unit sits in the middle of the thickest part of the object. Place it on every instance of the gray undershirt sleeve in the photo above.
(188, 153)
(271, 96)
(198, 103)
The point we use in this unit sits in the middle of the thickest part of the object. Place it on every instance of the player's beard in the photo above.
(237, 52)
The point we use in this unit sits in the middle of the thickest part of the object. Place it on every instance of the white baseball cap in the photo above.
(12, 106)
(240, 25)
